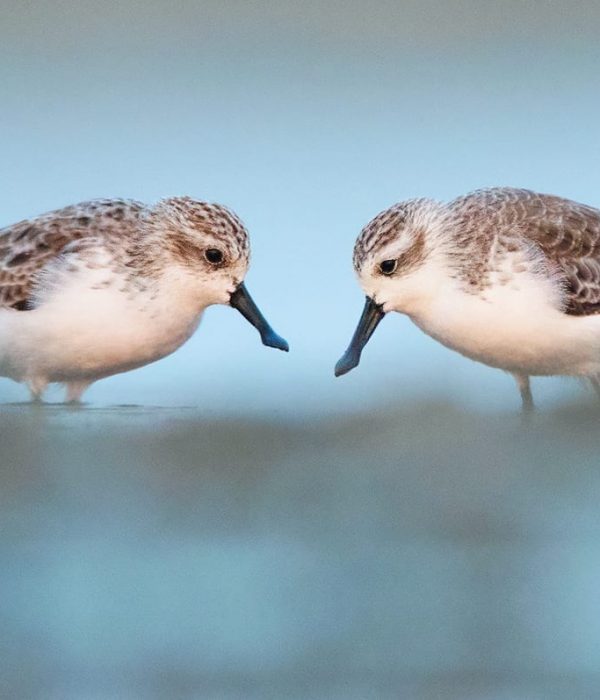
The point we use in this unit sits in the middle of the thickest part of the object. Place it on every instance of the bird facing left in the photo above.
(109, 285)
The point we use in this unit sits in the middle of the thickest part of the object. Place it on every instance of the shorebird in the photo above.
(506, 277)
(109, 285)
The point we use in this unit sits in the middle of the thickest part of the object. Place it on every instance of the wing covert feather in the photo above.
(568, 234)
(28, 246)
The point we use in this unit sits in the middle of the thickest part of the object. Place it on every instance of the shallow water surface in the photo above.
(416, 552)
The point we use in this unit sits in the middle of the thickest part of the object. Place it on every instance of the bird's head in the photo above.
(395, 262)
(208, 243)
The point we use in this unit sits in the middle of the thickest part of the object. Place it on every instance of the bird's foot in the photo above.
(75, 391)
(37, 386)
(527, 405)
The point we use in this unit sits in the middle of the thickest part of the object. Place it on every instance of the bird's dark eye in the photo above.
(388, 267)
(213, 255)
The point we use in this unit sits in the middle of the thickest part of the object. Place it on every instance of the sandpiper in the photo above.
(507, 277)
(109, 285)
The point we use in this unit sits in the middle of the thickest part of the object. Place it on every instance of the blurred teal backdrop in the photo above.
(249, 527)
(307, 119)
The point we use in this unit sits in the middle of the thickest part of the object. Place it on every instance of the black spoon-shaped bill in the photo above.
(243, 302)
(369, 320)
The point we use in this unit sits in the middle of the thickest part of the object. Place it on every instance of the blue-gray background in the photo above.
(271, 531)
(307, 119)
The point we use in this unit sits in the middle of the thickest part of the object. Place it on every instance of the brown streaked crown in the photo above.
(187, 215)
(387, 226)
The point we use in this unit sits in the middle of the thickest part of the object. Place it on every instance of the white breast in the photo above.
(515, 326)
(95, 324)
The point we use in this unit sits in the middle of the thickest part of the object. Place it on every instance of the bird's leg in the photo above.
(595, 382)
(37, 386)
(525, 389)
(75, 390)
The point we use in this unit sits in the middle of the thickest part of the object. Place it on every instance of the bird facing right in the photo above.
(109, 285)
(507, 277)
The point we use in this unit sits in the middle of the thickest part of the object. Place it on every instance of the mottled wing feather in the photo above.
(28, 246)
(568, 233)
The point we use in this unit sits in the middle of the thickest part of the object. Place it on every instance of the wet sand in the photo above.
(415, 552)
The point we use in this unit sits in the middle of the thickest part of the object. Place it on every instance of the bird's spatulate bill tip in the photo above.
(368, 322)
(241, 300)
(272, 340)
(347, 362)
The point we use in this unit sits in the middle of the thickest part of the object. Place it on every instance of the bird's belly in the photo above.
(538, 341)
(106, 335)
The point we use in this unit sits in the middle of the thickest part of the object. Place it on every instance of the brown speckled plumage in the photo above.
(135, 236)
(28, 246)
(566, 232)
(481, 230)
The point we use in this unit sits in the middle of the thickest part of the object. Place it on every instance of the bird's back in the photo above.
(567, 233)
(28, 246)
